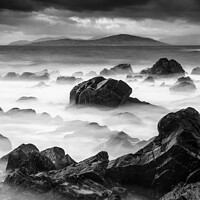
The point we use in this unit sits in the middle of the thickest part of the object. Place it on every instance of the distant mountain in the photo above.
(26, 42)
(115, 40)
(182, 40)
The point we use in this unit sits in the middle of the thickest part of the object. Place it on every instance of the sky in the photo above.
(33, 19)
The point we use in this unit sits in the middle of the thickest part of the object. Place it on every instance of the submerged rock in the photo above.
(119, 69)
(165, 161)
(77, 74)
(165, 67)
(149, 79)
(183, 84)
(67, 80)
(24, 98)
(196, 71)
(5, 143)
(42, 75)
(11, 76)
(101, 91)
(91, 74)
(18, 111)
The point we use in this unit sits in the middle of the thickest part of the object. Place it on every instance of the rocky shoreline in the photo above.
(170, 163)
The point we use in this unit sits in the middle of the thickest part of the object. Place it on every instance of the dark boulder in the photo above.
(25, 148)
(58, 157)
(183, 84)
(165, 67)
(117, 70)
(101, 91)
(196, 71)
(165, 161)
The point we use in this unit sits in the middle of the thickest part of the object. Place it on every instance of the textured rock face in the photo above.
(165, 67)
(101, 91)
(168, 159)
(83, 180)
(26, 148)
(58, 157)
(183, 84)
(196, 71)
(119, 69)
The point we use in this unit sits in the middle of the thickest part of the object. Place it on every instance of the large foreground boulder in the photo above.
(117, 70)
(101, 91)
(168, 159)
(165, 67)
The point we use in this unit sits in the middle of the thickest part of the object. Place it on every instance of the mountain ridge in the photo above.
(113, 40)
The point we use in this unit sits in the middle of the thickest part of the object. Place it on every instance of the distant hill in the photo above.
(182, 40)
(115, 40)
(26, 42)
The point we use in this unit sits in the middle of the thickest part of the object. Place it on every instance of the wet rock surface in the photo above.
(101, 91)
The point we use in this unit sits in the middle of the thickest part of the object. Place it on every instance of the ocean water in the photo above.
(72, 133)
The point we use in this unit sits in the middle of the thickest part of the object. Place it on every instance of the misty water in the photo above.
(70, 127)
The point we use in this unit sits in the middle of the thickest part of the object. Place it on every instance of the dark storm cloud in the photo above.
(135, 9)
(73, 5)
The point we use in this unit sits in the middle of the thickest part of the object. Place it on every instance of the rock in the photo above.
(168, 159)
(184, 79)
(117, 70)
(5, 144)
(91, 74)
(43, 75)
(18, 111)
(33, 161)
(67, 80)
(196, 71)
(84, 180)
(58, 157)
(41, 84)
(24, 98)
(149, 79)
(120, 144)
(77, 74)
(25, 148)
(165, 67)
(101, 91)
(1, 111)
(183, 84)
(184, 192)
(11, 76)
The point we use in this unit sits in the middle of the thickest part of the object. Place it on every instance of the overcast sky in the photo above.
(32, 19)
